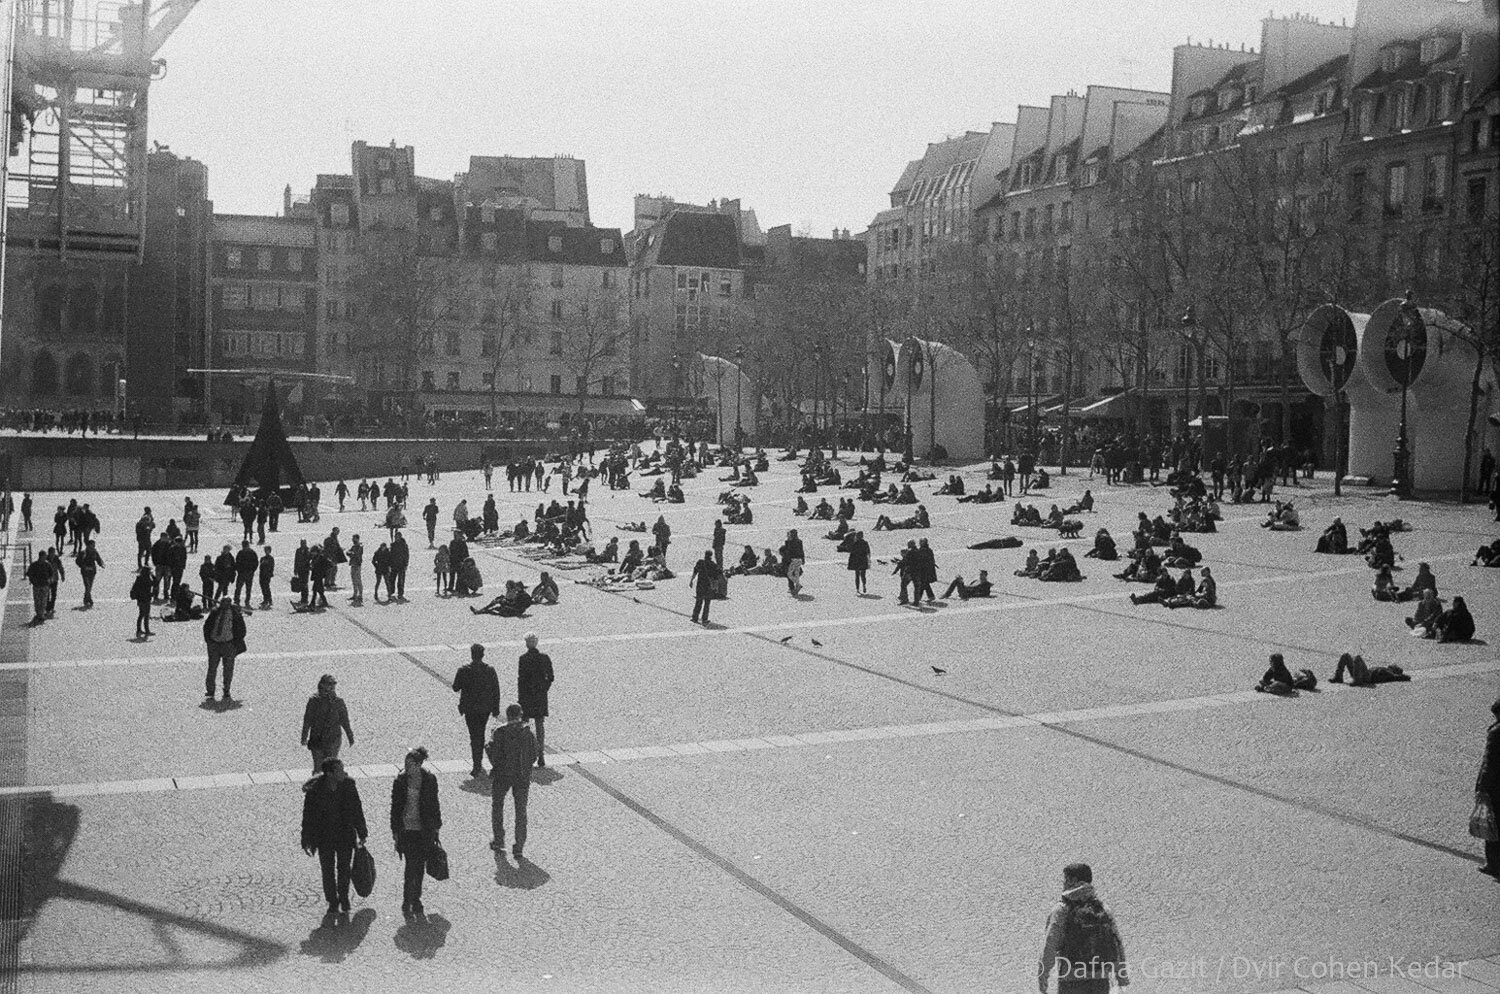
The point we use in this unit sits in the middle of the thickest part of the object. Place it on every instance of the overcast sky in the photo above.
(806, 110)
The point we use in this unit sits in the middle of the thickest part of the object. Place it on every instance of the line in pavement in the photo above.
(1022, 603)
(997, 720)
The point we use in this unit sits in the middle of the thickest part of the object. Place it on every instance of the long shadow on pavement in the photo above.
(338, 935)
(421, 938)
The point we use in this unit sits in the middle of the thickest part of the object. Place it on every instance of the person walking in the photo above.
(1083, 942)
(224, 572)
(416, 819)
(663, 533)
(859, 563)
(89, 563)
(246, 562)
(478, 688)
(301, 569)
(39, 575)
(513, 749)
(533, 681)
(380, 562)
(906, 567)
(356, 556)
(140, 592)
(926, 573)
(793, 556)
(224, 635)
(430, 517)
(1488, 785)
(325, 722)
(342, 493)
(720, 537)
(267, 573)
(318, 567)
(333, 824)
(705, 581)
(400, 560)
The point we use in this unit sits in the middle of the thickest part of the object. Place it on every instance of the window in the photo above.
(264, 298)
(1365, 116)
(606, 246)
(1435, 182)
(1478, 199)
(556, 383)
(1049, 216)
(487, 346)
(1279, 162)
(1325, 154)
(557, 276)
(607, 386)
(349, 310)
(1432, 48)
(435, 214)
(453, 380)
(580, 386)
(294, 260)
(488, 380)
(554, 243)
(387, 185)
(1354, 195)
(236, 296)
(1401, 109)
(489, 241)
(1395, 187)
(338, 215)
(555, 342)
(1030, 222)
(427, 382)
(293, 298)
(451, 346)
(331, 309)
(726, 285)
(557, 310)
(1249, 93)
(1065, 215)
(606, 278)
(1391, 262)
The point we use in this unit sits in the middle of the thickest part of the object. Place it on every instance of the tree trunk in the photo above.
(1285, 383)
(1479, 362)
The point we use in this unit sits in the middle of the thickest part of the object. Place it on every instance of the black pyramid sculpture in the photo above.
(270, 464)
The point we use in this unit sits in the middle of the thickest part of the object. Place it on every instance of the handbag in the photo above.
(362, 871)
(1482, 821)
(299, 584)
(437, 861)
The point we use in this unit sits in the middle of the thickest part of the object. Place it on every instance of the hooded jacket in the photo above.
(1113, 964)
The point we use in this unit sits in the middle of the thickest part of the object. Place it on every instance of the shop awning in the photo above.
(1107, 407)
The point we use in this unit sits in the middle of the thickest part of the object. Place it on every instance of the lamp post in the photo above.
(864, 423)
(906, 425)
(676, 387)
(1189, 337)
(739, 377)
(817, 390)
(1407, 346)
(1031, 381)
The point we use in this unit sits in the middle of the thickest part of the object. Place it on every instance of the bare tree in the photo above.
(505, 320)
(595, 340)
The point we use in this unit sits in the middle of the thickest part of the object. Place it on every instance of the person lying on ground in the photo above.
(989, 495)
(1362, 675)
(966, 591)
(917, 520)
(1005, 542)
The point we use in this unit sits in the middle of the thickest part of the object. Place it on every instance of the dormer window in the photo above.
(1061, 166)
(1227, 98)
(554, 243)
(1250, 93)
(1433, 49)
(1393, 58)
(606, 246)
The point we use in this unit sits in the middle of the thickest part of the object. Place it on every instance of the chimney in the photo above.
(286, 201)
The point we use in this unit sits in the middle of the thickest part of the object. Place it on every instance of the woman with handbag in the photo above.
(1487, 795)
(416, 818)
(333, 823)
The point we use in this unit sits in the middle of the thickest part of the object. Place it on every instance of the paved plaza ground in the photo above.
(791, 800)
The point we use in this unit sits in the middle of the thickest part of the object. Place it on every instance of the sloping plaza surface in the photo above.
(791, 799)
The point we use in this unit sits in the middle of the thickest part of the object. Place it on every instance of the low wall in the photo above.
(109, 462)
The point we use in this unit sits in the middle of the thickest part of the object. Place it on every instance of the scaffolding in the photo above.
(79, 74)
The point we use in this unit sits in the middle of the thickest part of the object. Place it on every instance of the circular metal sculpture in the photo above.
(890, 366)
(1338, 346)
(1405, 346)
(918, 367)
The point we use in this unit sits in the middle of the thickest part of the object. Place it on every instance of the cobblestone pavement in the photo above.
(792, 800)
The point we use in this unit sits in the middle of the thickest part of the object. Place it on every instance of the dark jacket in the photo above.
(533, 679)
(859, 554)
(332, 814)
(245, 562)
(706, 574)
(400, 556)
(1489, 767)
(431, 811)
(224, 567)
(238, 626)
(478, 688)
(512, 752)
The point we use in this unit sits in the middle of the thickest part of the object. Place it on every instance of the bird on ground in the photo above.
(786, 640)
(939, 671)
(817, 643)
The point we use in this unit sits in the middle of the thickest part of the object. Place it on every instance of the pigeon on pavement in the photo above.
(938, 671)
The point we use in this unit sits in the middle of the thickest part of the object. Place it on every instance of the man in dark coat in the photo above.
(245, 564)
(224, 570)
(705, 581)
(224, 635)
(400, 560)
(416, 818)
(333, 822)
(301, 567)
(533, 680)
(926, 573)
(478, 688)
(1488, 784)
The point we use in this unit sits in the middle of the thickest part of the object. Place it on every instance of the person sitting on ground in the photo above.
(770, 565)
(953, 488)
(800, 507)
(733, 477)
(1166, 588)
(658, 490)
(1026, 515)
(1362, 675)
(632, 559)
(1206, 596)
(183, 608)
(1424, 580)
(1487, 555)
(1061, 568)
(520, 533)
(839, 530)
(1104, 547)
(1180, 555)
(511, 604)
(469, 581)
(739, 513)
(907, 495)
(968, 590)
(1085, 503)
(1335, 539)
(1031, 565)
(750, 479)
(809, 484)
(675, 495)
(823, 512)
(1424, 619)
(545, 592)
(917, 520)
(1161, 531)
(1279, 680)
(610, 554)
(1041, 481)
(1054, 518)
(1455, 624)
(748, 561)
(985, 496)
(1381, 553)
(1385, 586)
(1283, 519)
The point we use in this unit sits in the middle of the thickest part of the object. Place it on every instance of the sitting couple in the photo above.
(511, 604)
(917, 520)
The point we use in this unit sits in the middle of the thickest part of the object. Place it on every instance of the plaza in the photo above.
(789, 799)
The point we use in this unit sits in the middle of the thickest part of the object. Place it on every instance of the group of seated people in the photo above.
(1335, 539)
(1104, 547)
(824, 511)
(1432, 621)
(1152, 531)
(635, 567)
(1144, 567)
(1283, 518)
(1182, 592)
(1180, 555)
(917, 476)
(751, 565)
(953, 487)
(1488, 555)
(1057, 566)
(1279, 680)
(661, 493)
(1084, 505)
(906, 495)
(966, 591)
(183, 608)
(1195, 514)
(743, 476)
(989, 495)
(1375, 543)
(514, 603)
(916, 520)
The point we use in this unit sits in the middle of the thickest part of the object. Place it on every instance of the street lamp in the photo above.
(676, 386)
(833, 438)
(1405, 350)
(1189, 336)
(739, 376)
(906, 427)
(817, 388)
(1031, 381)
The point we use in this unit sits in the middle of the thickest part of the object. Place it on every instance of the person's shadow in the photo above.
(545, 775)
(220, 706)
(524, 875)
(421, 938)
(477, 785)
(338, 935)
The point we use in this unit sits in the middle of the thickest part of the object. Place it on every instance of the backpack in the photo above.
(1090, 946)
